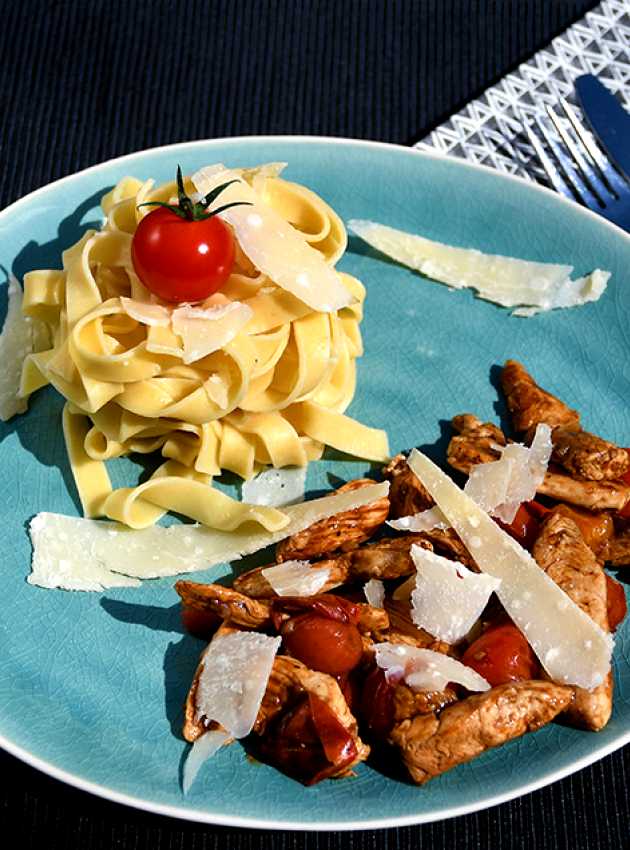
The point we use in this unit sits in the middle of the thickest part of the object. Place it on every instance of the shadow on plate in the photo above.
(40, 432)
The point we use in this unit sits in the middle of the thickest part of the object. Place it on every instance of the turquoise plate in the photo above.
(91, 685)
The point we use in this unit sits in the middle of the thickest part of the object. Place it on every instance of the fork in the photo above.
(578, 168)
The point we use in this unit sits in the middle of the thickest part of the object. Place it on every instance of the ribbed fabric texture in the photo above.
(82, 82)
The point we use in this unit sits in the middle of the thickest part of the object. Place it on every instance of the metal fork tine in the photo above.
(605, 168)
(567, 168)
(581, 163)
(547, 163)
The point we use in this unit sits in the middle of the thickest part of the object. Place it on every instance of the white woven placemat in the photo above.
(489, 129)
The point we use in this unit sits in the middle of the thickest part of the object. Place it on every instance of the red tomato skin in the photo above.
(377, 704)
(524, 527)
(616, 602)
(200, 624)
(181, 260)
(502, 655)
(328, 646)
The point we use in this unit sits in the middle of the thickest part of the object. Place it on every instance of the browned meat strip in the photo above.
(474, 442)
(446, 542)
(372, 620)
(472, 447)
(529, 404)
(409, 703)
(387, 559)
(406, 494)
(582, 454)
(338, 533)
(227, 603)
(254, 584)
(589, 456)
(561, 552)
(431, 744)
(618, 552)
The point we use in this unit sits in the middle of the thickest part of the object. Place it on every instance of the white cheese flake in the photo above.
(232, 683)
(206, 330)
(276, 487)
(96, 559)
(424, 669)
(448, 598)
(557, 634)
(20, 336)
(500, 486)
(296, 578)
(154, 315)
(202, 749)
(274, 246)
(530, 286)
(422, 521)
(374, 591)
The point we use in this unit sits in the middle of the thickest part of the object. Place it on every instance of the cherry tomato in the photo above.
(308, 742)
(377, 703)
(616, 602)
(329, 646)
(180, 259)
(501, 655)
(201, 624)
(523, 528)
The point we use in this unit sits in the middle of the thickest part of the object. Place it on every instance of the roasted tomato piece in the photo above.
(525, 526)
(324, 605)
(502, 655)
(377, 703)
(200, 624)
(308, 742)
(329, 646)
(616, 602)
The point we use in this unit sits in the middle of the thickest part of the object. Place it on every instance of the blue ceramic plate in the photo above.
(91, 685)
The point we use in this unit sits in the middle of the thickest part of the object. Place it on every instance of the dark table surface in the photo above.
(82, 82)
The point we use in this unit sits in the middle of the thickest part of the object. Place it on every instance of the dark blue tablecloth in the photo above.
(82, 82)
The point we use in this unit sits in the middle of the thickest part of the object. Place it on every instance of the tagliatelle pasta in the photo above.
(253, 376)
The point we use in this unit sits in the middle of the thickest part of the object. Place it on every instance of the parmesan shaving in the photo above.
(205, 330)
(276, 248)
(374, 591)
(202, 749)
(296, 578)
(154, 315)
(276, 487)
(86, 554)
(499, 487)
(233, 680)
(422, 521)
(571, 647)
(424, 669)
(448, 598)
(20, 336)
(530, 286)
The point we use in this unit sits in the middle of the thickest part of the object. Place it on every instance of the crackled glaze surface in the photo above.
(91, 686)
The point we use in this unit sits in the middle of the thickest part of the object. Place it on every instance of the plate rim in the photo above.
(201, 815)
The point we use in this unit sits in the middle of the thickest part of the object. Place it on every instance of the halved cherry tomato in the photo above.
(616, 602)
(523, 528)
(180, 259)
(308, 742)
(377, 703)
(201, 624)
(329, 646)
(501, 655)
